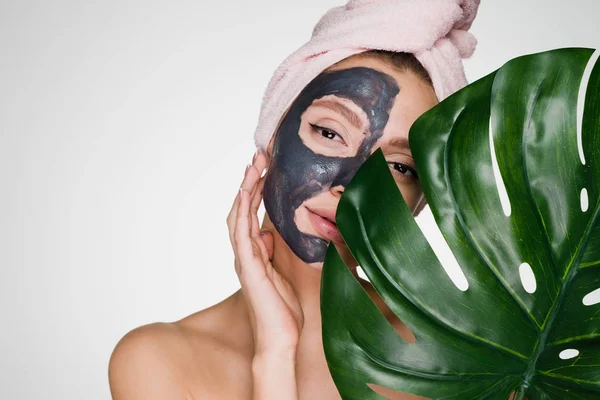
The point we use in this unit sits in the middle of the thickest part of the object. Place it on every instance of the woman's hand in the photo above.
(275, 313)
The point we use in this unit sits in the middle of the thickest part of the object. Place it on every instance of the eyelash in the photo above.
(393, 165)
(320, 130)
(413, 173)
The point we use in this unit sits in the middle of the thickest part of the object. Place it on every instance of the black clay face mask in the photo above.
(296, 173)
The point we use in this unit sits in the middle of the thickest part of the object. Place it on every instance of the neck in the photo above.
(312, 373)
(304, 278)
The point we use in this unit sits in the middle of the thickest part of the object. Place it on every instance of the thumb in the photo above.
(267, 238)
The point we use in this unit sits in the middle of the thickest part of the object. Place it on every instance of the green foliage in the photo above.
(495, 338)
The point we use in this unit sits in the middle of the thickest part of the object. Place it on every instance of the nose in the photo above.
(338, 190)
(345, 172)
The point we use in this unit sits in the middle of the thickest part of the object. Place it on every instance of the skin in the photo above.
(264, 341)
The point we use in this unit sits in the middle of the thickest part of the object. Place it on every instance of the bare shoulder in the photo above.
(150, 362)
(191, 358)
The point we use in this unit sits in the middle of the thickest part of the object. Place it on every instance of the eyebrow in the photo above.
(399, 142)
(354, 119)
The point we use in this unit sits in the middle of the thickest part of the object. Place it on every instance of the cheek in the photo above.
(412, 194)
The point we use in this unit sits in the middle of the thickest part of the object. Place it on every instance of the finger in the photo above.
(255, 204)
(237, 236)
(242, 227)
(267, 239)
(260, 162)
(264, 244)
(249, 185)
(232, 217)
(257, 195)
(250, 176)
(261, 251)
(244, 249)
(288, 295)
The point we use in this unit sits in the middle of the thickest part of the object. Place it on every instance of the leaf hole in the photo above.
(440, 248)
(527, 278)
(502, 193)
(592, 298)
(583, 87)
(585, 202)
(568, 354)
(361, 273)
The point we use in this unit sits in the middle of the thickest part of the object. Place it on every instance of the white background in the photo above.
(125, 127)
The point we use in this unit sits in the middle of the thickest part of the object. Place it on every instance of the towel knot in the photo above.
(435, 31)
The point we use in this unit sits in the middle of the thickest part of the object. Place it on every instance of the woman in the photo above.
(328, 107)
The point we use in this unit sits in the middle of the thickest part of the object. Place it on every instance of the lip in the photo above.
(323, 221)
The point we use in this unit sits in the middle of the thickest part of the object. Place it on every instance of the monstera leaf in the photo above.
(529, 321)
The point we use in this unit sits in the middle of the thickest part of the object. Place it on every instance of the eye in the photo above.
(403, 170)
(327, 133)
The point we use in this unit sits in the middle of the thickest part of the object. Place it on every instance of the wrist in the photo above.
(274, 376)
(273, 359)
(282, 349)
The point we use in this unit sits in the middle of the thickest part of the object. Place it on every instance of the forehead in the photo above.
(414, 99)
(404, 78)
(365, 85)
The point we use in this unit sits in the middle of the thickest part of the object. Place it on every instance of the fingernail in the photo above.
(255, 155)
(246, 171)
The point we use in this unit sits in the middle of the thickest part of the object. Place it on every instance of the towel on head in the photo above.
(435, 31)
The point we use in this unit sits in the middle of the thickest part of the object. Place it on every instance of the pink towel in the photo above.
(435, 31)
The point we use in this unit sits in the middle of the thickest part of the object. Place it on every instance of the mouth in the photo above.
(323, 221)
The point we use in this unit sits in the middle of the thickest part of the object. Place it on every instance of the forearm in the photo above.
(274, 377)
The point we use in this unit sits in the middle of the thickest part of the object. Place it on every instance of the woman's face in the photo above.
(339, 119)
